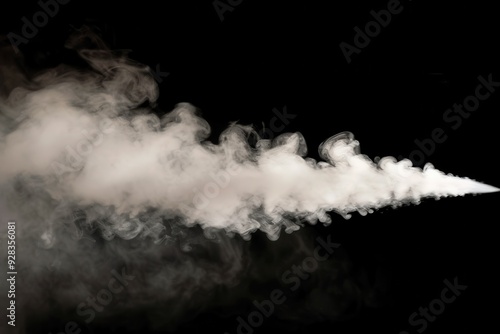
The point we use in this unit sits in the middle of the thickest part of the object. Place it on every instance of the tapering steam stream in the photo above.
(82, 140)
(97, 182)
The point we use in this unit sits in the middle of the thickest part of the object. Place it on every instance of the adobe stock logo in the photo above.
(372, 29)
(74, 156)
(29, 29)
(223, 6)
(222, 178)
(436, 306)
(292, 278)
(97, 303)
(454, 118)
(158, 75)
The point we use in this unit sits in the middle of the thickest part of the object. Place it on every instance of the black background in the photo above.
(271, 54)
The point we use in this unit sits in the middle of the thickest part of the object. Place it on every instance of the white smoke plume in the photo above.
(83, 140)
(98, 182)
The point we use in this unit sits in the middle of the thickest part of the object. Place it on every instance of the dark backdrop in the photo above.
(267, 55)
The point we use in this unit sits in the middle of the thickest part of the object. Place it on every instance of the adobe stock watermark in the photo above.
(223, 6)
(30, 27)
(74, 156)
(293, 278)
(454, 118)
(419, 320)
(372, 29)
(88, 308)
(222, 178)
(158, 75)
(277, 123)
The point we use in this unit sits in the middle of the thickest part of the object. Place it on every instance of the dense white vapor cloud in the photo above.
(83, 141)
